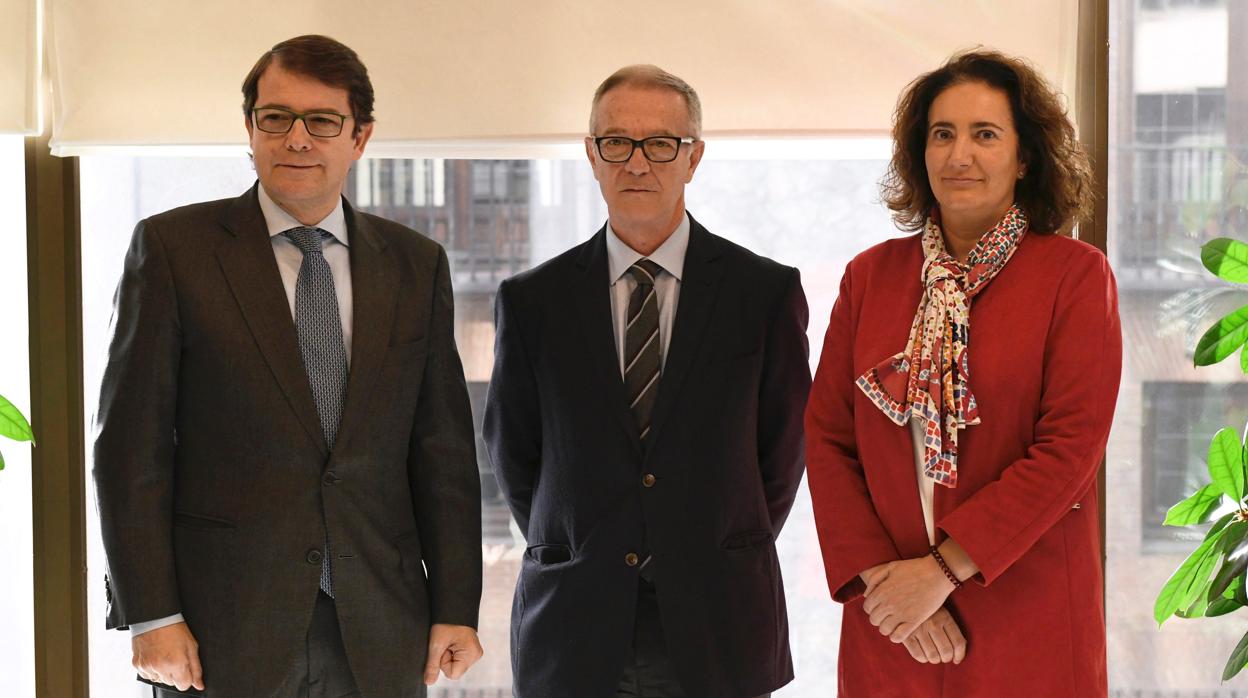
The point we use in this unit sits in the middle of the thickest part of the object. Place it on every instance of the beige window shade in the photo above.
(495, 78)
(19, 67)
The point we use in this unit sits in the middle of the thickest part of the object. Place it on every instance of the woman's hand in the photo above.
(937, 640)
(900, 595)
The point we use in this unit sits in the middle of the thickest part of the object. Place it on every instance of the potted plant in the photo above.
(1213, 580)
(13, 425)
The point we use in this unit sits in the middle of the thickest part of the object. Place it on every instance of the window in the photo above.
(1176, 170)
(497, 218)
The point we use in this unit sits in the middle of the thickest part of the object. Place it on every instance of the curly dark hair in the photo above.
(323, 59)
(1057, 188)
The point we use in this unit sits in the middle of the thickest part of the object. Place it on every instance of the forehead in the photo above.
(280, 87)
(971, 102)
(634, 110)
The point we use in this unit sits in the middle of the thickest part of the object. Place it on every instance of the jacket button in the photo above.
(647, 480)
(631, 559)
(315, 556)
(331, 478)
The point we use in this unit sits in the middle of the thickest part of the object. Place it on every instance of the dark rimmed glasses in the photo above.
(322, 124)
(655, 148)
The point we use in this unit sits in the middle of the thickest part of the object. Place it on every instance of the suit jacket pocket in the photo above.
(549, 554)
(744, 541)
(410, 556)
(187, 519)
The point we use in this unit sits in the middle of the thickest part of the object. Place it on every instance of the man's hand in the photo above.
(168, 655)
(937, 640)
(452, 648)
(904, 594)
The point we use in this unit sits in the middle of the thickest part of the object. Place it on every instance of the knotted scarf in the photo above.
(929, 378)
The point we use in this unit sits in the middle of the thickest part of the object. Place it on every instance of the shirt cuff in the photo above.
(137, 629)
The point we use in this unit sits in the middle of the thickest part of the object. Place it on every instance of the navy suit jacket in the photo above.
(725, 452)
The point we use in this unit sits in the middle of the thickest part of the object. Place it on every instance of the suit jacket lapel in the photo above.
(251, 271)
(698, 287)
(374, 291)
(592, 291)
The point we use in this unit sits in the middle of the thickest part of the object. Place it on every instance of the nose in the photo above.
(960, 153)
(637, 163)
(298, 138)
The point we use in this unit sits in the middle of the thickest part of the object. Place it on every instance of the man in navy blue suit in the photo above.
(645, 423)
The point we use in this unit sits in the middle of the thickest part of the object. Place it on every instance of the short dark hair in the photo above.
(323, 59)
(1057, 187)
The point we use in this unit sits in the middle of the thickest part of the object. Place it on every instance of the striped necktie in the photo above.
(320, 343)
(642, 348)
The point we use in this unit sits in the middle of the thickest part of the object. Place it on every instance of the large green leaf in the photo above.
(1226, 258)
(1222, 607)
(1234, 559)
(1237, 660)
(1196, 508)
(12, 423)
(1221, 340)
(1181, 589)
(1226, 463)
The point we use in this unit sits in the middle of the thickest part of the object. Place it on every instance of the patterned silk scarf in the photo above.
(929, 378)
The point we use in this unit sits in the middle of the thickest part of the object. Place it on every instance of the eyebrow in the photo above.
(317, 110)
(977, 124)
(620, 132)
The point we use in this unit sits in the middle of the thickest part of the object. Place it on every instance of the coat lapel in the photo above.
(251, 271)
(374, 291)
(592, 291)
(698, 287)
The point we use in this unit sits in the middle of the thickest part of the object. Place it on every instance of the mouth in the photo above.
(294, 166)
(961, 181)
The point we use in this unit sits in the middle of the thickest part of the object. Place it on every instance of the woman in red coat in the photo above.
(962, 403)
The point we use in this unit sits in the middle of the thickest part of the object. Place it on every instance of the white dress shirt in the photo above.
(927, 486)
(289, 257)
(671, 257)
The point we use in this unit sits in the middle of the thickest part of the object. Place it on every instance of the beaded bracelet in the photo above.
(944, 567)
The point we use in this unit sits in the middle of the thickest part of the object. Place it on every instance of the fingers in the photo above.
(902, 632)
(941, 642)
(927, 642)
(916, 651)
(197, 671)
(956, 639)
(433, 660)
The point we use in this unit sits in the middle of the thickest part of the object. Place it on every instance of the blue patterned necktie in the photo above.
(320, 343)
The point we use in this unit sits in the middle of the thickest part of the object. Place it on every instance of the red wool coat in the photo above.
(1045, 360)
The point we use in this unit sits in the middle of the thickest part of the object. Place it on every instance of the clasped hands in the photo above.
(905, 600)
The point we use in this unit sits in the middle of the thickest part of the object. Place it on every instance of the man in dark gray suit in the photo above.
(287, 488)
(644, 418)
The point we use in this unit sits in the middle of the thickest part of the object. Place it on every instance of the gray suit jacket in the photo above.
(215, 485)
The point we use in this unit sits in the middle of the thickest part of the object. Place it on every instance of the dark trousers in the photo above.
(319, 672)
(649, 672)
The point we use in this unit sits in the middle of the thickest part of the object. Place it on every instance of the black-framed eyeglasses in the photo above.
(655, 148)
(322, 124)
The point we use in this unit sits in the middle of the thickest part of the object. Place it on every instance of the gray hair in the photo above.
(646, 75)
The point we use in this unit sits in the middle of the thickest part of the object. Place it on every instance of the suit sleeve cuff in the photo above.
(137, 629)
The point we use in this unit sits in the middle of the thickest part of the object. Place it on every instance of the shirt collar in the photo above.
(279, 221)
(670, 255)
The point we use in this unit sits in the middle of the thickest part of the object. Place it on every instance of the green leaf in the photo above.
(1189, 579)
(1237, 660)
(1235, 559)
(1226, 463)
(1196, 508)
(1243, 359)
(1221, 340)
(12, 423)
(1, 461)
(1226, 258)
(1222, 607)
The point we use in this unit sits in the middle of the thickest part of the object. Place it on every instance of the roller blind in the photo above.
(496, 78)
(19, 67)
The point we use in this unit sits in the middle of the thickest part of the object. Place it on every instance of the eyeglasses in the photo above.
(322, 124)
(655, 148)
